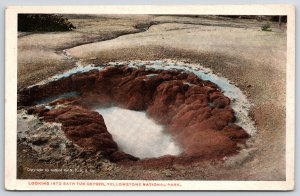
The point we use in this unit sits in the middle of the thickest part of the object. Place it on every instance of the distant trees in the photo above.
(43, 22)
(258, 17)
(282, 19)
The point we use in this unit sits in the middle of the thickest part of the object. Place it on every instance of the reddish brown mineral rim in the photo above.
(194, 112)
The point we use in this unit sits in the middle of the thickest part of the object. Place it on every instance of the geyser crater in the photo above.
(187, 101)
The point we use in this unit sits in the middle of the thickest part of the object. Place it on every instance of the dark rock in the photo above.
(121, 156)
(38, 141)
(55, 144)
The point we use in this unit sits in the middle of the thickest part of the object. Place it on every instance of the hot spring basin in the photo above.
(202, 116)
(136, 134)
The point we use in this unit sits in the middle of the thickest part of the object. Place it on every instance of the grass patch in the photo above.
(266, 27)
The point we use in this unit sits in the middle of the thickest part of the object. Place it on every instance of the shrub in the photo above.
(43, 22)
(266, 27)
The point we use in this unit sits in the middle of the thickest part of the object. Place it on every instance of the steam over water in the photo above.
(136, 134)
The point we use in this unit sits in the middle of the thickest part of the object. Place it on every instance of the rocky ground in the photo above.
(236, 49)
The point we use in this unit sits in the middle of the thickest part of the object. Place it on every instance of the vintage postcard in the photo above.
(150, 97)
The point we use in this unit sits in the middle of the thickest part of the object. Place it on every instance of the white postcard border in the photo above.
(12, 183)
